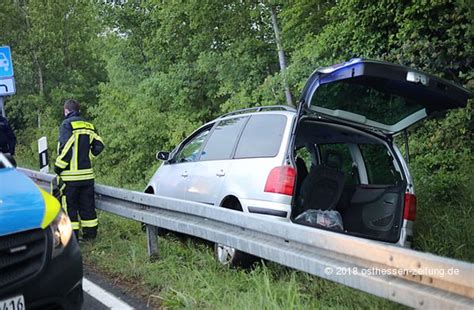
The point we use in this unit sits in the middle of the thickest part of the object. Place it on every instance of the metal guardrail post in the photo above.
(152, 242)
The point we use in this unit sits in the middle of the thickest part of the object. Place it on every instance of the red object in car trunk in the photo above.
(410, 207)
(281, 180)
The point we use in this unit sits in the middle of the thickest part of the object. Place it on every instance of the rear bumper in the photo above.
(406, 234)
(267, 208)
(57, 285)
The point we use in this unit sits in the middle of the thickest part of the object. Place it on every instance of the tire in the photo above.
(229, 256)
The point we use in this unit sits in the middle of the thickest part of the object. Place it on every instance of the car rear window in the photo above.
(222, 141)
(377, 104)
(261, 137)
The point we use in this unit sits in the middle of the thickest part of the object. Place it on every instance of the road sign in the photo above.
(7, 86)
(6, 65)
(43, 154)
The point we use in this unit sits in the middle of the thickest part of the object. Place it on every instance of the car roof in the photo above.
(278, 110)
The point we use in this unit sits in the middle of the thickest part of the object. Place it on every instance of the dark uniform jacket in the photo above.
(78, 145)
(7, 137)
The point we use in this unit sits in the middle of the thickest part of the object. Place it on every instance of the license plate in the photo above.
(14, 303)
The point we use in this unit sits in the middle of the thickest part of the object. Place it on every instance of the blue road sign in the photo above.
(6, 65)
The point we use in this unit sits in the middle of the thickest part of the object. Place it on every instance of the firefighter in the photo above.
(7, 137)
(78, 145)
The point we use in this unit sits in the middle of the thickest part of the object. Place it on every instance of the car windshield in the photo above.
(374, 103)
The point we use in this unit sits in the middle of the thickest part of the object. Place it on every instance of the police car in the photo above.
(40, 260)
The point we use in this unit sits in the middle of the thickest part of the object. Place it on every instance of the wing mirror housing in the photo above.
(163, 156)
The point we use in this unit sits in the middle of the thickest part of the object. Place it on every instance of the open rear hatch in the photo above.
(349, 179)
(379, 95)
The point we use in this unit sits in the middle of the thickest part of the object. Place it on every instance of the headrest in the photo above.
(333, 159)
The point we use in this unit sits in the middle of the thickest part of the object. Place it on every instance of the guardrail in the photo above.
(408, 277)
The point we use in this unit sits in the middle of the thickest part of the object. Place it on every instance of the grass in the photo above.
(187, 276)
(445, 229)
(445, 214)
(441, 227)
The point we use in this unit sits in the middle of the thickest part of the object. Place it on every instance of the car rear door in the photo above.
(379, 95)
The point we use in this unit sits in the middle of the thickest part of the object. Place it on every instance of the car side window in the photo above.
(191, 150)
(222, 141)
(305, 155)
(379, 164)
(261, 137)
(348, 164)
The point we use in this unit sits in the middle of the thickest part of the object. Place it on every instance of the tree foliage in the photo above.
(56, 55)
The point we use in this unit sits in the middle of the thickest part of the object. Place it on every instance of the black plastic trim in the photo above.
(267, 211)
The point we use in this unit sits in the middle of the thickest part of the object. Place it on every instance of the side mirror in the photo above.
(163, 155)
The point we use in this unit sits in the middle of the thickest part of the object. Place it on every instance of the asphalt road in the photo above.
(92, 304)
(100, 294)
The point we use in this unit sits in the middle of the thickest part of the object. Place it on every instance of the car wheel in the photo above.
(229, 256)
(224, 254)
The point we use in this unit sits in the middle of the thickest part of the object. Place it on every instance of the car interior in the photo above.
(350, 171)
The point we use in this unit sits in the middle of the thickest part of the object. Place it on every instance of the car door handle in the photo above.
(184, 174)
(220, 173)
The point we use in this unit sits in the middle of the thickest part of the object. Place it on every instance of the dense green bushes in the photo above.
(442, 165)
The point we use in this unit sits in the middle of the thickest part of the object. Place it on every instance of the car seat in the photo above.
(323, 186)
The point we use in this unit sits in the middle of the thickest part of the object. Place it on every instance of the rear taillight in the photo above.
(410, 207)
(281, 180)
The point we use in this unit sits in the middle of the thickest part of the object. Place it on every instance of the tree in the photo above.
(55, 47)
(184, 72)
(281, 56)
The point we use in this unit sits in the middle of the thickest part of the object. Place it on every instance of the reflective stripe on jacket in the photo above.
(74, 161)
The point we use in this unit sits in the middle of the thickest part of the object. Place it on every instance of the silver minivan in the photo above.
(335, 153)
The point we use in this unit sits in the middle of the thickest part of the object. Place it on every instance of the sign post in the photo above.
(43, 154)
(2, 107)
(7, 81)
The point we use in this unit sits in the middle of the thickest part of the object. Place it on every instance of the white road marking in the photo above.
(103, 296)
